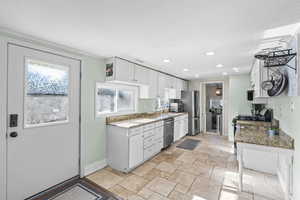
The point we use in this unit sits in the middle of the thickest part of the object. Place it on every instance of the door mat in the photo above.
(79, 189)
(189, 144)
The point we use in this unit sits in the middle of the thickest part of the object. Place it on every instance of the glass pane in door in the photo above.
(46, 93)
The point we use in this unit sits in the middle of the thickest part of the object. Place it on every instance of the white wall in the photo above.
(238, 104)
(289, 123)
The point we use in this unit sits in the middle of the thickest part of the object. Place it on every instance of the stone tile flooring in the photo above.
(209, 172)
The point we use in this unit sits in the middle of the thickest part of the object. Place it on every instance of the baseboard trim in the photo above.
(95, 167)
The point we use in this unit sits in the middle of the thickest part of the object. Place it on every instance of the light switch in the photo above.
(292, 106)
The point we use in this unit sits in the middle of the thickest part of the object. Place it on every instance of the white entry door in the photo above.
(43, 121)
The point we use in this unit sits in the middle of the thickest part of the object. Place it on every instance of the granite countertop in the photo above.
(131, 123)
(253, 132)
(253, 123)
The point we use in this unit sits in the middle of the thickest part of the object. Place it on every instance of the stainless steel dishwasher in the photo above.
(168, 131)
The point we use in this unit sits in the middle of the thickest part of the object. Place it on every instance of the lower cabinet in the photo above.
(136, 148)
(180, 127)
(129, 147)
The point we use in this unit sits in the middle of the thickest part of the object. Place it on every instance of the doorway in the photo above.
(43, 127)
(214, 107)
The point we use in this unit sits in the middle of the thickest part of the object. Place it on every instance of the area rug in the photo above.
(77, 192)
(76, 189)
(189, 144)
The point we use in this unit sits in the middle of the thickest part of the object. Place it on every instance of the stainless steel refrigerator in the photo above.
(191, 100)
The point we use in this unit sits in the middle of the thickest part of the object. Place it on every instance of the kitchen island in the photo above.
(253, 136)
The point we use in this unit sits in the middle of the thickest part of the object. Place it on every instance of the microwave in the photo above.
(176, 107)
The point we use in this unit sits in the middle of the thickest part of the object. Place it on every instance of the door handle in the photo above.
(13, 134)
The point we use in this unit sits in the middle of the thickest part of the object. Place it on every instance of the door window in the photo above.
(46, 93)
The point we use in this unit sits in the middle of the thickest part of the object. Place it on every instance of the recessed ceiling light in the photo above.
(185, 69)
(225, 73)
(167, 60)
(235, 69)
(197, 75)
(219, 65)
(210, 53)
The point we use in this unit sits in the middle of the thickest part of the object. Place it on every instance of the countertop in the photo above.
(144, 120)
(253, 132)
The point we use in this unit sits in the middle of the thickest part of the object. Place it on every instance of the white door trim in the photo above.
(3, 115)
(202, 84)
(40, 45)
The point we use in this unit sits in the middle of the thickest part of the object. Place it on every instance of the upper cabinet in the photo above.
(119, 70)
(141, 75)
(258, 75)
(153, 84)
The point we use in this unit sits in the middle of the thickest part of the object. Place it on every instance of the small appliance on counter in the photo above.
(176, 105)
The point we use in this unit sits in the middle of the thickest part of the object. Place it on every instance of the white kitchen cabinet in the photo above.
(141, 75)
(136, 150)
(257, 76)
(162, 84)
(180, 126)
(153, 84)
(127, 148)
(185, 85)
(185, 124)
(177, 128)
(119, 70)
(179, 87)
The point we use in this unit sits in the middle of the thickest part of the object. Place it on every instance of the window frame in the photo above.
(56, 65)
(117, 87)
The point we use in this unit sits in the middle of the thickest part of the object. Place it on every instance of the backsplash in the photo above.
(118, 118)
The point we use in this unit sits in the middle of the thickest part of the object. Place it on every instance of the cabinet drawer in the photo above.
(159, 124)
(149, 152)
(135, 131)
(159, 132)
(149, 126)
(149, 141)
(149, 133)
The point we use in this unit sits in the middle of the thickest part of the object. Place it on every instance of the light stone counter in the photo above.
(252, 132)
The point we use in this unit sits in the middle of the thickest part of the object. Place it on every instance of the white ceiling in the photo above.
(152, 30)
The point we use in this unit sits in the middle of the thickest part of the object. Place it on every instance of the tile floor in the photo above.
(209, 172)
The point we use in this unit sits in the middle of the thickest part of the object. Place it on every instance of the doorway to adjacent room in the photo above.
(213, 107)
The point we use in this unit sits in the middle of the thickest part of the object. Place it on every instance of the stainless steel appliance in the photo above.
(176, 106)
(168, 131)
(191, 100)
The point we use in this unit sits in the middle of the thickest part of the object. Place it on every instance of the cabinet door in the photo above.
(171, 82)
(153, 84)
(185, 85)
(136, 150)
(141, 75)
(162, 80)
(176, 130)
(179, 87)
(124, 70)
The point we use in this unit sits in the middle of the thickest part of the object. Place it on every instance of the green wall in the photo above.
(93, 70)
(237, 101)
(290, 123)
(94, 129)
